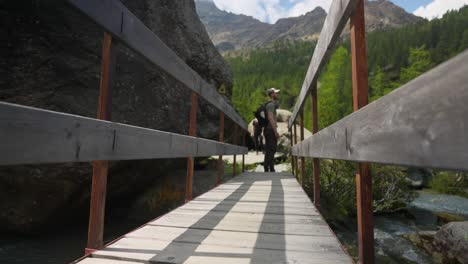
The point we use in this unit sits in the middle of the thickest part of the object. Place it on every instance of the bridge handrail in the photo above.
(339, 13)
(116, 19)
(34, 136)
(420, 124)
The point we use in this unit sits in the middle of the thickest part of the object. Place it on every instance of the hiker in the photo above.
(271, 132)
(258, 138)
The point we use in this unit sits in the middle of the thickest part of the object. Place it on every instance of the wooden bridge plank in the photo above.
(114, 17)
(338, 15)
(228, 231)
(186, 218)
(154, 251)
(421, 124)
(30, 135)
(106, 261)
(236, 239)
(250, 208)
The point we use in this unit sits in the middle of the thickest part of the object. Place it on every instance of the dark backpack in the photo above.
(261, 115)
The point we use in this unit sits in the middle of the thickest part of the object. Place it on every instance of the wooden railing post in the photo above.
(100, 168)
(295, 142)
(235, 156)
(360, 99)
(302, 158)
(243, 155)
(292, 157)
(190, 160)
(316, 161)
(221, 139)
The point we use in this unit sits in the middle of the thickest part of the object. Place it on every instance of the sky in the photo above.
(271, 10)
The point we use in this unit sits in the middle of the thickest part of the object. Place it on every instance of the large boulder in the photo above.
(51, 59)
(452, 241)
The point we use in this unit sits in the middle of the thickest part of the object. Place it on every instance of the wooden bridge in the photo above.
(255, 217)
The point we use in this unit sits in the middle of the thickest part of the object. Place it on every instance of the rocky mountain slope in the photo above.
(229, 31)
(51, 57)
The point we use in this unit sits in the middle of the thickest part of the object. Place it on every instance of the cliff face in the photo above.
(51, 59)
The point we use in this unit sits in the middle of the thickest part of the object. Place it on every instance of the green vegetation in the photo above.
(338, 188)
(450, 183)
(283, 66)
(394, 58)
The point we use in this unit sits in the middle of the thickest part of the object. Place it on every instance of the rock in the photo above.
(283, 115)
(55, 65)
(445, 218)
(452, 241)
(424, 240)
(441, 203)
(415, 180)
(399, 248)
(419, 177)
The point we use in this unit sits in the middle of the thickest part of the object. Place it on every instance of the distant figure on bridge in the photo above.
(271, 131)
(258, 138)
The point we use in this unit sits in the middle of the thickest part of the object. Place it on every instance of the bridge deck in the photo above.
(253, 218)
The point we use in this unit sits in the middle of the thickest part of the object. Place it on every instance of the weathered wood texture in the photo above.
(244, 134)
(365, 223)
(236, 137)
(296, 169)
(114, 17)
(100, 168)
(338, 15)
(221, 139)
(421, 124)
(31, 136)
(303, 177)
(292, 157)
(254, 218)
(316, 165)
(192, 133)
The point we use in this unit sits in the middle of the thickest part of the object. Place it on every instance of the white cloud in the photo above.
(271, 10)
(437, 8)
(303, 6)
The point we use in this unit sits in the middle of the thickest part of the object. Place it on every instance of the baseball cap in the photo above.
(272, 90)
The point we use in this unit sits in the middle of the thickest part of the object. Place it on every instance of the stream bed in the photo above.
(391, 247)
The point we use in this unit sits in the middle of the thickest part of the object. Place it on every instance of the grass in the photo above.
(454, 183)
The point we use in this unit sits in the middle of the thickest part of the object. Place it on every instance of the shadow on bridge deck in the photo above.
(253, 218)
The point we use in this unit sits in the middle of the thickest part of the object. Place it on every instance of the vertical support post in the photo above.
(100, 168)
(292, 157)
(190, 160)
(302, 158)
(295, 142)
(221, 139)
(315, 160)
(235, 156)
(243, 155)
(360, 99)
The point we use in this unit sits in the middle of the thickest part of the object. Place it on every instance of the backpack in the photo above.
(261, 115)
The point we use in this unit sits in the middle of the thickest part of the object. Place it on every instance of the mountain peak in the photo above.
(230, 31)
